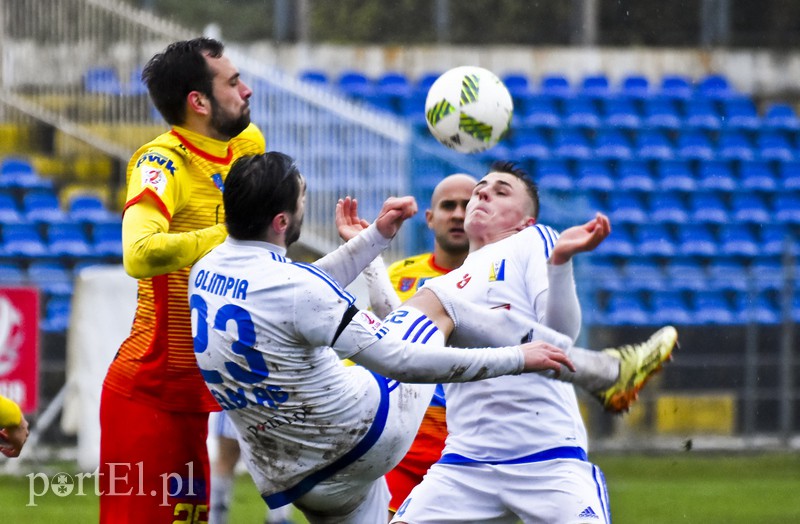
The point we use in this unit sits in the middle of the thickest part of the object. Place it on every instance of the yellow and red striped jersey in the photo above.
(184, 173)
(408, 274)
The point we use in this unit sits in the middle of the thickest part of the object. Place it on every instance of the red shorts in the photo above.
(425, 450)
(153, 464)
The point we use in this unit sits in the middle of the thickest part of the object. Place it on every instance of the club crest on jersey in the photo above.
(498, 271)
(217, 179)
(406, 283)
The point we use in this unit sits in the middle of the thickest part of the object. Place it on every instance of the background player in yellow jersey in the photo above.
(451, 246)
(13, 428)
(154, 407)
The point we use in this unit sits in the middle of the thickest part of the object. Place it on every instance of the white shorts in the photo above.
(560, 491)
(223, 427)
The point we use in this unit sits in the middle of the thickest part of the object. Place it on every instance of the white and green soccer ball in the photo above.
(468, 109)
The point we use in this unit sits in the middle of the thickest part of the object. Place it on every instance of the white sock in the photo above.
(221, 488)
(279, 515)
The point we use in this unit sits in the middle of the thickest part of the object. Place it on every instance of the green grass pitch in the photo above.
(679, 488)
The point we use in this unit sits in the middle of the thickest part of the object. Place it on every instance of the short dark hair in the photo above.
(177, 71)
(258, 188)
(512, 168)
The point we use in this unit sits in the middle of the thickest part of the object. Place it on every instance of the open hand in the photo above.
(581, 238)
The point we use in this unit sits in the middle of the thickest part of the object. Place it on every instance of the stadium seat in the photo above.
(88, 207)
(601, 273)
(772, 145)
(696, 240)
(626, 308)
(644, 274)
(572, 144)
(653, 144)
(734, 145)
(68, 240)
(612, 144)
(11, 274)
(593, 175)
(42, 206)
(56, 314)
(789, 175)
(626, 208)
(760, 308)
(767, 273)
(707, 207)
(529, 143)
(654, 240)
(596, 87)
(781, 117)
(541, 111)
(636, 87)
(553, 174)
(775, 238)
(107, 239)
(675, 175)
(700, 113)
(23, 240)
(667, 208)
(694, 145)
(727, 274)
(556, 86)
(354, 85)
(670, 307)
(424, 82)
(661, 113)
(634, 175)
(18, 172)
(737, 240)
(102, 80)
(316, 77)
(618, 244)
(676, 87)
(621, 113)
(9, 211)
(581, 112)
(786, 208)
(393, 83)
(51, 277)
(740, 112)
(687, 274)
(519, 87)
(715, 86)
(757, 175)
(712, 307)
(749, 208)
(715, 175)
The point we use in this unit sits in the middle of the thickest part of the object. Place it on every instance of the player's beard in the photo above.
(226, 124)
(293, 230)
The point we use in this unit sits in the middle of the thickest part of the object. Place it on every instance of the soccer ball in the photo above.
(468, 109)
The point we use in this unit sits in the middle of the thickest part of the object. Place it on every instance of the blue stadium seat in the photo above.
(749, 208)
(694, 145)
(571, 144)
(593, 175)
(51, 277)
(715, 86)
(519, 87)
(734, 145)
(581, 112)
(107, 239)
(88, 207)
(625, 207)
(653, 144)
(529, 143)
(553, 174)
(670, 307)
(618, 244)
(675, 175)
(42, 206)
(696, 240)
(626, 308)
(612, 144)
(541, 111)
(716, 175)
(772, 145)
(737, 240)
(740, 112)
(23, 240)
(654, 240)
(795, 308)
(56, 314)
(556, 86)
(727, 274)
(667, 208)
(601, 273)
(757, 175)
(712, 307)
(661, 113)
(789, 175)
(11, 274)
(786, 208)
(635, 86)
(412, 108)
(621, 113)
(424, 81)
(634, 175)
(686, 274)
(102, 80)
(9, 210)
(775, 238)
(68, 240)
(767, 273)
(701, 113)
(759, 309)
(676, 87)
(707, 207)
(596, 87)
(781, 117)
(316, 77)
(355, 85)
(18, 172)
(394, 83)
(644, 274)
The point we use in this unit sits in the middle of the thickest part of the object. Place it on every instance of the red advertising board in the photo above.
(19, 346)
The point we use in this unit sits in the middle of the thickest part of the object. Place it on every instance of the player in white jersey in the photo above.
(517, 446)
(270, 335)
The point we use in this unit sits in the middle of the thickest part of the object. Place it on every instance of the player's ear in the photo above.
(198, 102)
(280, 222)
(428, 218)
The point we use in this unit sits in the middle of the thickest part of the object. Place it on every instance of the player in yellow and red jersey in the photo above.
(154, 464)
(451, 246)
(13, 428)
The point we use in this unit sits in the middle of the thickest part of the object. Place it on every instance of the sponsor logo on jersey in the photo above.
(464, 281)
(217, 179)
(368, 321)
(588, 513)
(154, 178)
(498, 272)
(406, 283)
(157, 161)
